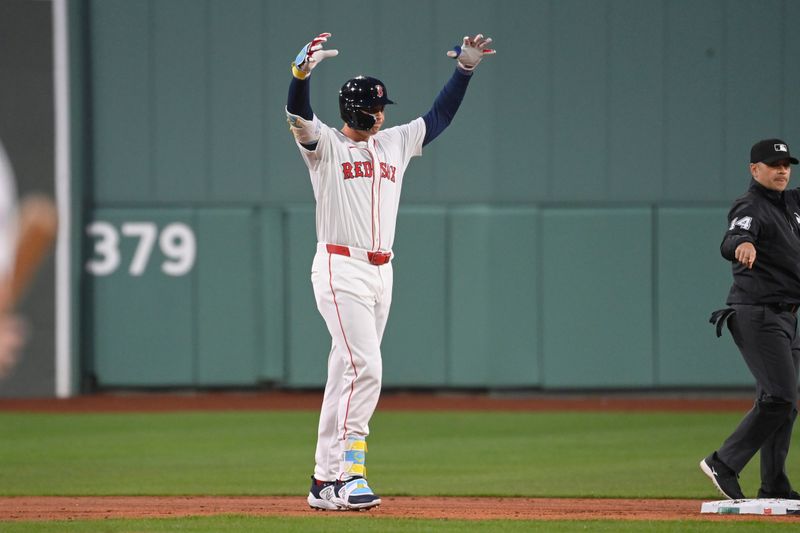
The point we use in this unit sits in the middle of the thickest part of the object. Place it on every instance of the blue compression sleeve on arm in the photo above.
(299, 101)
(445, 106)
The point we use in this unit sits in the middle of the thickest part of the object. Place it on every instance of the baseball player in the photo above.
(763, 244)
(357, 174)
(11, 329)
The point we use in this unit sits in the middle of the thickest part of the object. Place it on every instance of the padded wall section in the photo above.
(597, 299)
(494, 297)
(228, 298)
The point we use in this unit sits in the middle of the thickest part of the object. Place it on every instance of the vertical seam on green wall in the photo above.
(448, 270)
(665, 55)
(208, 45)
(432, 186)
(723, 59)
(264, 145)
(539, 304)
(263, 308)
(550, 115)
(195, 309)
(608, 192)
(82, 186)
(782, 52)
(151, 102)
(654, 285)
(285, 301)
(550, 181)
(259, 305)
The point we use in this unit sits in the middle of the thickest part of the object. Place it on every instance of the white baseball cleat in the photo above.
(355, 494)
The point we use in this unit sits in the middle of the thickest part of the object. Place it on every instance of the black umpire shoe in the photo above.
(791, 495)
(725, 479)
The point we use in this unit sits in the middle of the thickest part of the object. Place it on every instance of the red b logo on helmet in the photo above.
(379, 90)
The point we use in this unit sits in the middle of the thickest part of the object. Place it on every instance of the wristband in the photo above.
(299, 74)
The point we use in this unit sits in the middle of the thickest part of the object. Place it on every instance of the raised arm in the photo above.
(468, 55)
(298, 104)
(299, 101)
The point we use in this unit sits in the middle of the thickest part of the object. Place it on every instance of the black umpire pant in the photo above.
(768, 340)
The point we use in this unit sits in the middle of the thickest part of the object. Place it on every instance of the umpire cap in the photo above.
(770, 150)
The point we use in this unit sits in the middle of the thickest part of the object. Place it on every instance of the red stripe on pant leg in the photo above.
(347, 344)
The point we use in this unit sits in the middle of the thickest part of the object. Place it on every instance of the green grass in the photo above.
(366, 524)
(451, 453)
(635, 455)
(164, 454)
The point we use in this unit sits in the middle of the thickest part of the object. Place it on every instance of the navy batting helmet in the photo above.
(358, 95)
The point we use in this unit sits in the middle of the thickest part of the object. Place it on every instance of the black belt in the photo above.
(783, 308)
(719, 317)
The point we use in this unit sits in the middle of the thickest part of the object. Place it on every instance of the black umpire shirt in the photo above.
(771, 221)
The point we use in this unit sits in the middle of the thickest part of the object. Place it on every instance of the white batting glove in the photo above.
(310, 55)
(471, 51)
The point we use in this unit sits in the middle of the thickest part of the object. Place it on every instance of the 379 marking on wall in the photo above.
(176, 242)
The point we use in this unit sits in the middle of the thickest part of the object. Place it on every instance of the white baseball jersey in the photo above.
(353, 208)
(8, 215)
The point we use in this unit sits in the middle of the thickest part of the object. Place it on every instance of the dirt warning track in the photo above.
(455, 508)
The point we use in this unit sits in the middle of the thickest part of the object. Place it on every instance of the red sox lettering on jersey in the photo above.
(363, 169)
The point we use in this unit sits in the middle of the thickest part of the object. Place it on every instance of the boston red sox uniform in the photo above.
(357, 176)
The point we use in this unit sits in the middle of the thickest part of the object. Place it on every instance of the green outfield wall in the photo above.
(563, 233)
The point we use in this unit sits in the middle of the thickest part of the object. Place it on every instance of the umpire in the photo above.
(763, 244)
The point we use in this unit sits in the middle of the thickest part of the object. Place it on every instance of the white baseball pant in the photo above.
(354, 297)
